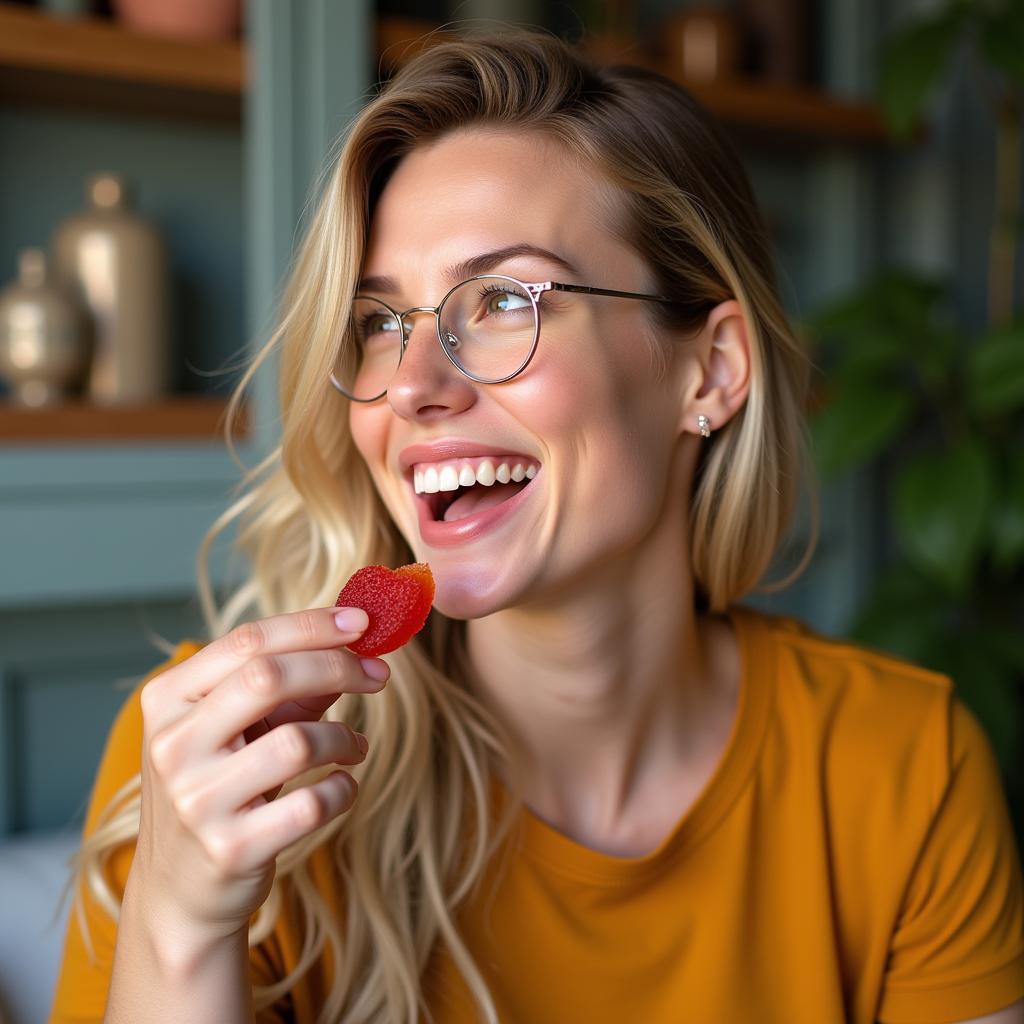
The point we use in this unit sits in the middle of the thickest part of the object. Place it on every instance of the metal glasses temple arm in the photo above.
(538, 288)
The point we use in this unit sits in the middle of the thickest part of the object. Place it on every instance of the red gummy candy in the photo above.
(396, 600)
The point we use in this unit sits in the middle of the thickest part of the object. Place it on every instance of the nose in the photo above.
(426, 385)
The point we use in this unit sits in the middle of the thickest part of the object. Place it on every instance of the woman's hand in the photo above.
(223, 732)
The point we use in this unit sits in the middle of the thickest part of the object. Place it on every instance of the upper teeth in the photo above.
(450, 476)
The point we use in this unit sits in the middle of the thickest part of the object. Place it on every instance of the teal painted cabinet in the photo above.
(98, 541)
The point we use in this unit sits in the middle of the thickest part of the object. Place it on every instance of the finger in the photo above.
(264, 766)
(313, 708)
(265, 684)
(259, 835)
(312, 629)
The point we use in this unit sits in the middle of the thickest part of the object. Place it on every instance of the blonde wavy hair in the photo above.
(309, 514)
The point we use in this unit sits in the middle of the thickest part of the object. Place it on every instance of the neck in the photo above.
(605, 687)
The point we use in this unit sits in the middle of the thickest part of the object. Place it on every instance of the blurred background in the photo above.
(157, 162)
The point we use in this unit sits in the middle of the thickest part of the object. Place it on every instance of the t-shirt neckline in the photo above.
(556, 850)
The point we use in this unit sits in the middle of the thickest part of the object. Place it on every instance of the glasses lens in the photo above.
(365, 369)
(489, 327)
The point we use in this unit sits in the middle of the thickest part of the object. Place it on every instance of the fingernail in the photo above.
(364, 743)
(376, 669)
(351, 620)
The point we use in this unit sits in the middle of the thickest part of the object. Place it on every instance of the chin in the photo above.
(469, 592)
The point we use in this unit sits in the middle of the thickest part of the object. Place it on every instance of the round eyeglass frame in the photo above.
(533, 290)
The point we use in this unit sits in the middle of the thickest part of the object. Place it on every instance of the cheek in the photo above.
(621, 423)
(604, 430)
(369, 428)
(369, 432)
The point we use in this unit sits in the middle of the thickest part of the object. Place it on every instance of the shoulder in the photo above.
(904, 783)
(881, 730)
(890, 741)
(835, 664)
(832, 675)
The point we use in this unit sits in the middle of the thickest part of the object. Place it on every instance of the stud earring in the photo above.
(705, 425)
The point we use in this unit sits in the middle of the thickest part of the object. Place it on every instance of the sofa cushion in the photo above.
(34, 869)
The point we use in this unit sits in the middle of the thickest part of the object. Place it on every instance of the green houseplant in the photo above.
(938, 408)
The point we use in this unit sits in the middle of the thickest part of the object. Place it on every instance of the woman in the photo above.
(596, 788)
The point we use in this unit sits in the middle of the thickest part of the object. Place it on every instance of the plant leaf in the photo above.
(989, 687)
(1001, 38)
(891, 321)
(942, 504)
(873, 351)
(1004, 642)
(903, 614)
(861, 417)
(1008, 513)
(893, 298)
(906, 300)
(995, 372)
(938, 364)
(912, 61)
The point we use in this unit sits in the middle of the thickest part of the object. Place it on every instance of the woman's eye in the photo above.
(379, 325)
(504, 302)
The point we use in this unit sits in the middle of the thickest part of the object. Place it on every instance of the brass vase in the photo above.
(117, 263)
(44, 336)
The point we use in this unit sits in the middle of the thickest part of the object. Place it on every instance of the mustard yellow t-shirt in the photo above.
(850, 860)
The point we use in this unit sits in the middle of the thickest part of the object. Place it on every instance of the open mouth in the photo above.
(464, 489)
(450, 506)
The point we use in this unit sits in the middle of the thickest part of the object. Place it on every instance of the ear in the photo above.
(718, 374)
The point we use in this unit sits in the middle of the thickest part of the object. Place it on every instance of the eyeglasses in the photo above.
(487, 326)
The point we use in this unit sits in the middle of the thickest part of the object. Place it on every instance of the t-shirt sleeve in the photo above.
(80, 995)
(957, 951)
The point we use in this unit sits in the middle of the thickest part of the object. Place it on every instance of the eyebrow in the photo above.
(474, 265)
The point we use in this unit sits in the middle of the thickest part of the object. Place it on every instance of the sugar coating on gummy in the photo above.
(397, 602)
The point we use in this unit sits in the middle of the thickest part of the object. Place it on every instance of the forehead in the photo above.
(483, 187)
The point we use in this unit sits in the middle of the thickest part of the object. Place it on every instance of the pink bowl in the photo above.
(183, 19)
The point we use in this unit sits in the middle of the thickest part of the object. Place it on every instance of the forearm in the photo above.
(163, 974)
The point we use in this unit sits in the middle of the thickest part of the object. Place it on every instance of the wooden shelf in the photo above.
(86, 62)
(766, 111)
(182, 418)
(95, 63)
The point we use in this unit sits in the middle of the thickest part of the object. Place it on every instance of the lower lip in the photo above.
(445, 535)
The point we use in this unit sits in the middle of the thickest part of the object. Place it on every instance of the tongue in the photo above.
(478, 498)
